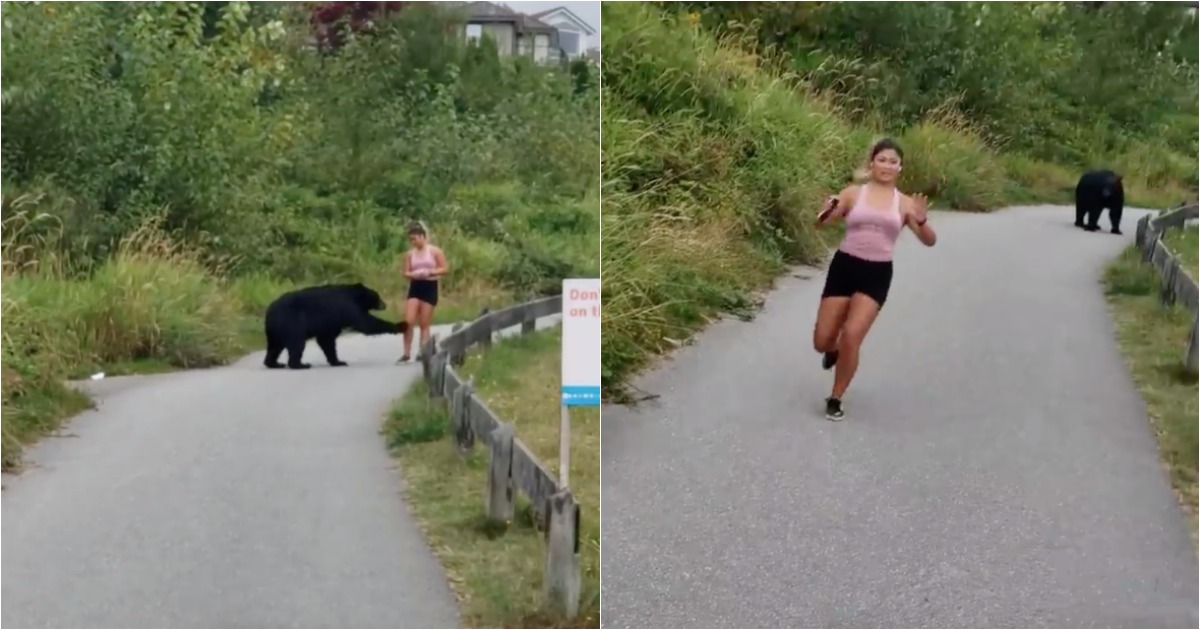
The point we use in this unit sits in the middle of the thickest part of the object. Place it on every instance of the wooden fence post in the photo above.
(561, 582)
(1189, 356)
(436, 376)
(460, 416)
(500, 481)
(457, 350)
(427, 356)
(486, 342)
(1149, 242)
(1167, 279)
(440, 374)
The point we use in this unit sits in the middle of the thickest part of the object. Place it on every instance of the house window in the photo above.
(569, 42)
(541, 47)
(474, 32)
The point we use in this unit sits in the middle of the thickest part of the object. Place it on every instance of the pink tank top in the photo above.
(423, 259)
(871, 233)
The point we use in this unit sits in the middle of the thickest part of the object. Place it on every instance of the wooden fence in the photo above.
(1176, 283)
(512, 465)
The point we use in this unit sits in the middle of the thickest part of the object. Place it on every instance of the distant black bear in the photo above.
(1096, 191)
(322, 312)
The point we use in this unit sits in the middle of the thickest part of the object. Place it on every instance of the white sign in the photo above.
(581, 342)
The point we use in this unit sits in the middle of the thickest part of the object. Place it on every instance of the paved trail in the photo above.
(996, 468)
(236, 497)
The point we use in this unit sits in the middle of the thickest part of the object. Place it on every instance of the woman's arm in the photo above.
(439, 259)
(845, 200)
(408, 272)
(917, 218)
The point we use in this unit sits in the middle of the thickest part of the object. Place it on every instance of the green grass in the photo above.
(1185, 243)
(1153, 339)
(519, 380)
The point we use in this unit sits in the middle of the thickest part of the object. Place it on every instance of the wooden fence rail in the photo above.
(1176, 283)
(512, 465)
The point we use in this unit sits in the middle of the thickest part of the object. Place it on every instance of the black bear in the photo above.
(1096, 191)
(322, 312)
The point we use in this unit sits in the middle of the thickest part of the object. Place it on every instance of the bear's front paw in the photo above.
(338, 363)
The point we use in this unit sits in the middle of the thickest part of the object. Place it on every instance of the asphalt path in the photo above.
(996, 467)
(232, 497)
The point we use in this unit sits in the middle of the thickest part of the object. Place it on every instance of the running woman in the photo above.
(860, 274)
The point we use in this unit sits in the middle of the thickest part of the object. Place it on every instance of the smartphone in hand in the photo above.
(833, 204)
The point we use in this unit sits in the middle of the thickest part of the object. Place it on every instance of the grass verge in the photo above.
(1152, 339)
(498, 579)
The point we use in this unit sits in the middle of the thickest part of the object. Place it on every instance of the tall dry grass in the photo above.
(154, 298)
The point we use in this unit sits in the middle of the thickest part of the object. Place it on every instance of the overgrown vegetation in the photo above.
(169, 168)
(725, 123)
(519, 380)
(1152, 338)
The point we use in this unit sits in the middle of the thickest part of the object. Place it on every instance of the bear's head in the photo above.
(366, 298)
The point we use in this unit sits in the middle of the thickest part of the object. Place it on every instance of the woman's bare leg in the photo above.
(831, 316)
(862, 313)
(411, 308)
(425, 317)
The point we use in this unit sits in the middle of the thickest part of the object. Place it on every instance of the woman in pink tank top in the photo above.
(860, 274)
(423, 265)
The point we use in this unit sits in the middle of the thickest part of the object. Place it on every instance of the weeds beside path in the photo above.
(499, 579)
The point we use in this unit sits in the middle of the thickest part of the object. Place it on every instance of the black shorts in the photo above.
(424, 290)
(850, 274)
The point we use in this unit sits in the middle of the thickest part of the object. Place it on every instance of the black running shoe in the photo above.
(833, 409)
(829, 360)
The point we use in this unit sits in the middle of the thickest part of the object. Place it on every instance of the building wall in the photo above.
(504, 36)
(541, 47)
(565, 29)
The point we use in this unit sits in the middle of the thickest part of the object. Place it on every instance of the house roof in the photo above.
(531, 23)
(569, 15)
(484, 11)
(492, 13)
